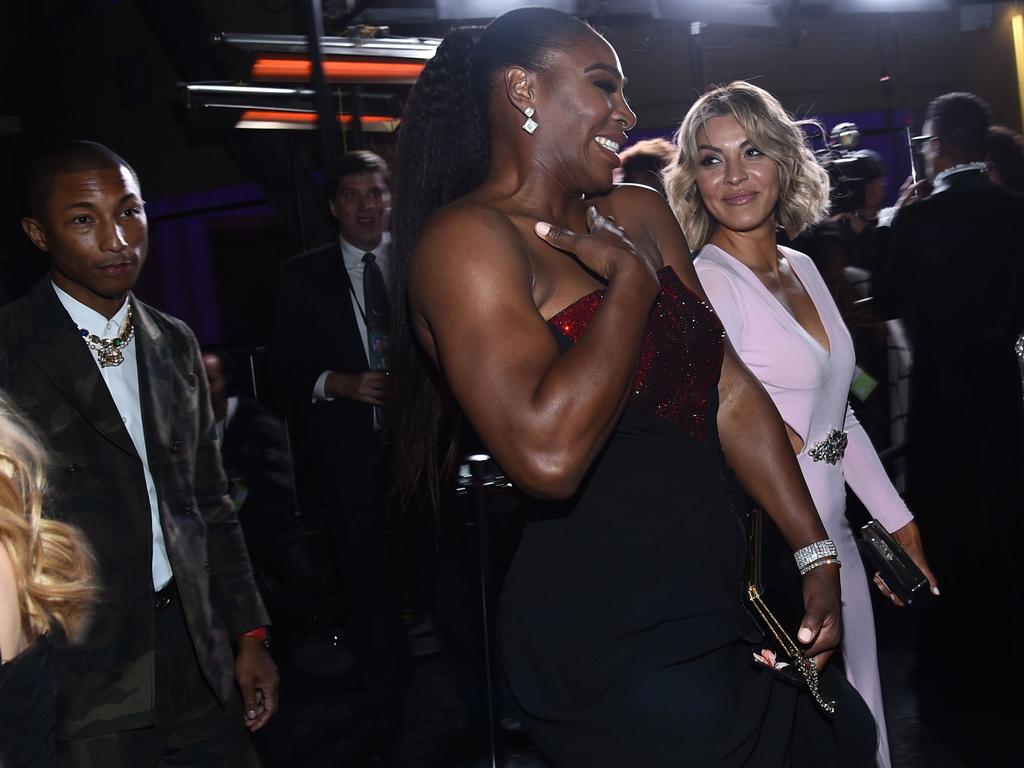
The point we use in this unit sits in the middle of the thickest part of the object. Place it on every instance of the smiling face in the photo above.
(361, 205)
(738, 184)
(583, 114)
(93, 227)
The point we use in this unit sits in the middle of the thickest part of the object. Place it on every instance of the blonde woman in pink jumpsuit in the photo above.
(743, 171)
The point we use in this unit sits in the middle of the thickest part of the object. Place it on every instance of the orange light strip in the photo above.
(337, 71)
(370, 122)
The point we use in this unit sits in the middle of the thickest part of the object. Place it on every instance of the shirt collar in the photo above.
(353, 256)
(88, 318)
(229, 412)
(941, 180)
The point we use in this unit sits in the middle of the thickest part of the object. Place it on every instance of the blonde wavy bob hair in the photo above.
(803, 183)
(53, 569)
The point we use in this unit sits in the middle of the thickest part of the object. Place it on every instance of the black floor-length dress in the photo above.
(624, 631)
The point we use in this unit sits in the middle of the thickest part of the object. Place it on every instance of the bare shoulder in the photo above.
(640, 204)
(627, 194)
(466, 246)
(645, 214)
(12, 633)
(643, 211)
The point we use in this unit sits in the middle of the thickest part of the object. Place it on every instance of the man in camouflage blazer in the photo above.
(118, 681)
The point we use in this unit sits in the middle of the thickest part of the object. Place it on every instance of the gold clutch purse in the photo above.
(789, 661)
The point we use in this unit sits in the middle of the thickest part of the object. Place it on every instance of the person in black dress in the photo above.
(46, 583)
(563, 319)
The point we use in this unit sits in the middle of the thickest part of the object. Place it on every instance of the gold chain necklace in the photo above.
(110, 352)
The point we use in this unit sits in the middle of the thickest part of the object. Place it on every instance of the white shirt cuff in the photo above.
(319, 391)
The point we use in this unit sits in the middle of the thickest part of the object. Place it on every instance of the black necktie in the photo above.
(378, 315)
(375, 295)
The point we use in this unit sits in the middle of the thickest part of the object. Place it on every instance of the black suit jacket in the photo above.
(954, 271)
(255, 454)
(106, 683)
(315, 330)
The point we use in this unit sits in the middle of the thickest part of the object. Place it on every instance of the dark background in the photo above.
(222, 203)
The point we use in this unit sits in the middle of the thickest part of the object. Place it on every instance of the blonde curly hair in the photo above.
(803, 183)
(53, 569)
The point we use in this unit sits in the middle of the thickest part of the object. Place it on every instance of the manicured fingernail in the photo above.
(804, 635)
(251, 714)
(542, 228)
(935, 591)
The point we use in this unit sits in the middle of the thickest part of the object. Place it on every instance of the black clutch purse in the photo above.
(903, 578)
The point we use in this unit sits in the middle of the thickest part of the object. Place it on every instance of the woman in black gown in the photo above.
(45, 582)
(562, 317)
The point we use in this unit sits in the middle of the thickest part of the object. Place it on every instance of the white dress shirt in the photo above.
(230, 409)
(123, 383)
(353, 258)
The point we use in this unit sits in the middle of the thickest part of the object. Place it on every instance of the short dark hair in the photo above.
(648, 157)
(228, 365)
(67, 157)
(355, 162)
(960, 121)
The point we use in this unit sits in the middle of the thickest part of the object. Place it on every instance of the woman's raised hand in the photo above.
(606, 249)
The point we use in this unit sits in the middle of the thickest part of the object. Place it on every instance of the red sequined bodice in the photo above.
(681, 355)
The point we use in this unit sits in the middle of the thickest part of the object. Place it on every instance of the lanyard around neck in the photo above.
(359, 305)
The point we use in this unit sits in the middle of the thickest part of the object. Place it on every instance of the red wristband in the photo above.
(260, 633)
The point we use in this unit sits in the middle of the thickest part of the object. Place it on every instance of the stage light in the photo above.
(271, 119)
(1017, 23)
(364, 61)
(747, 13)
(421, 48)
(891, 6)
(273, 69)
(489, 9)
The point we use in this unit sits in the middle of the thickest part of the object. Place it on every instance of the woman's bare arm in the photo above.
(542, 414)
(753, 438)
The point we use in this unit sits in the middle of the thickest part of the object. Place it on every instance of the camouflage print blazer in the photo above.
(106, 683)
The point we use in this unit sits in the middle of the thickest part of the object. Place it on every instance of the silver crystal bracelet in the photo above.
(816, 551)
(820, 562)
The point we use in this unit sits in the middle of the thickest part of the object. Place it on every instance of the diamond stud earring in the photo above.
(530, 125)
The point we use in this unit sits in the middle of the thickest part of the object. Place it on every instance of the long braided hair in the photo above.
(443, 154)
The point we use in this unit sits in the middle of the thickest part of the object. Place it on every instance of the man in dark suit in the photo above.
(254, 451)
(954, 270)
(118, 389)
(328, 357)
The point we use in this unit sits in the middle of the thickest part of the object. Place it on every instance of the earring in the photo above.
(530, 125)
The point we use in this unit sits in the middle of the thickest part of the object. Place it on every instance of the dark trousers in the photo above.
(191, 728)
(373, 606)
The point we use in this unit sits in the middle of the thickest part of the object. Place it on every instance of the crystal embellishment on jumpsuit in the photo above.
(681, 355)
(831, 449)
